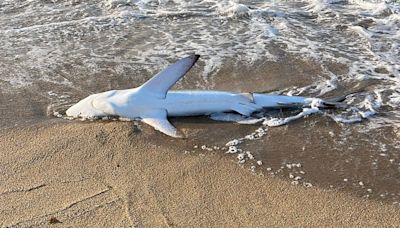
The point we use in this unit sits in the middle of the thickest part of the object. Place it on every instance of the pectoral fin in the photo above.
(158, 120)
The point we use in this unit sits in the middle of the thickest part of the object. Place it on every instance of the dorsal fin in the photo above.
(160, 83)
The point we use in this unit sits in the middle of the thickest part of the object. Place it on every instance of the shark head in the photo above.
(85, 109)
(93, 106)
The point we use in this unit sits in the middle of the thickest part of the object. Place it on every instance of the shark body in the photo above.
(153, 103)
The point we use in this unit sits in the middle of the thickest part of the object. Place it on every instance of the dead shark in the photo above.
(153, 102)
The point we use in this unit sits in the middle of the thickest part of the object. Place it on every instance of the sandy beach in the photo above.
(111, 174)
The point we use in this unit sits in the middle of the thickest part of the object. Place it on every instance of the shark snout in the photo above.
(85, 109)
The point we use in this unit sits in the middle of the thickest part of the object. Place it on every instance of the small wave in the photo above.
(233, 10)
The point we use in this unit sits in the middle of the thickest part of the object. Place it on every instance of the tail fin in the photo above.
(334, 105)
(337, 102)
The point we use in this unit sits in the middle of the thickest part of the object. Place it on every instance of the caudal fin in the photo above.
(334, 105)
(338, 102)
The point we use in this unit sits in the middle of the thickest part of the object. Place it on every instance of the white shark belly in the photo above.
(192, 103)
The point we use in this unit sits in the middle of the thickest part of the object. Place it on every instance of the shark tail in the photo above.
(338, 102)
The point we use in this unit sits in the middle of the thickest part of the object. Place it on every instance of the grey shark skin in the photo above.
(153, 103)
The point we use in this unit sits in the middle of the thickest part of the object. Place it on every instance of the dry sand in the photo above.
(111, 175)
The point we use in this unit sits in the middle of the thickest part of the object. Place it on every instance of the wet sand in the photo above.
(107, 173)
(125, 174)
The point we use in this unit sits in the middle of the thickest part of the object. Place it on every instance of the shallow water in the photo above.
(53, 53)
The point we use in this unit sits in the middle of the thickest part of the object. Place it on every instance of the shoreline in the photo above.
(110, 174)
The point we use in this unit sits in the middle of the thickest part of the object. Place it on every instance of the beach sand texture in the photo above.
(109, 174)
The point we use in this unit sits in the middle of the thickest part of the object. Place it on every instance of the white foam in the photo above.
(346, 120)
(274, 122)
(362, 32)
(233, 9)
